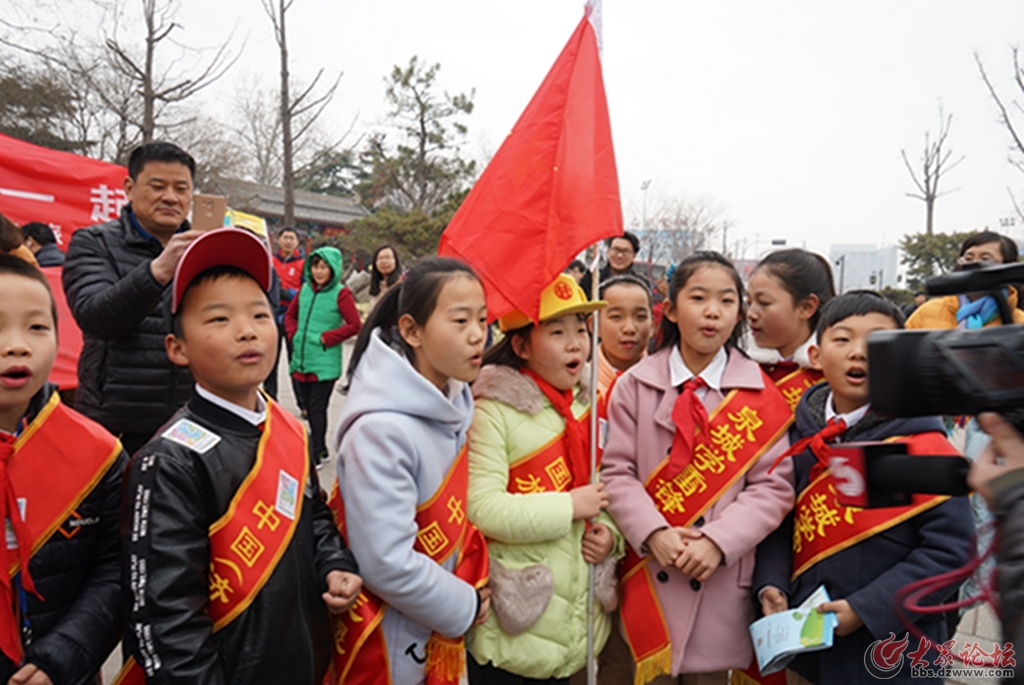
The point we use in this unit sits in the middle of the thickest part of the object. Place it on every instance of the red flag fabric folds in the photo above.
(551, 189)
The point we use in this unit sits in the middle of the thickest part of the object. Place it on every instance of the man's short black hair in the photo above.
(857, 303)
(288, 229)
(39, 232)
(158, 151)
(16, 266)
(577, 265)
(212, 274)
(631, 237)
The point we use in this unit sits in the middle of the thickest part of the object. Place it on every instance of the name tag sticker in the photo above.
(287, 494)
(191, 435)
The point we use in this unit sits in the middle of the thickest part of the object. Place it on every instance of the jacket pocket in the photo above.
(520, 596)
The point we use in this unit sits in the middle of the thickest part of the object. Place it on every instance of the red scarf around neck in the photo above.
(577, 439)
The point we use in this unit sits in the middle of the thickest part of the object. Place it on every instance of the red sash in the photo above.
(792, 385)
(76, 452)
(249, 539)
(546, 469)
(741, 429)
(360, 653)
(822, 526)
(49, 473)
(603, 401)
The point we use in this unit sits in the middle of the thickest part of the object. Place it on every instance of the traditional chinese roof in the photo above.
(268, 201)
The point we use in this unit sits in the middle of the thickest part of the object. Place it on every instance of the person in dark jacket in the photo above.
(860, 567)
(116, 278)
(40, 239)
(67, 469)
(289, 265)
(230, 553)
(622, 253)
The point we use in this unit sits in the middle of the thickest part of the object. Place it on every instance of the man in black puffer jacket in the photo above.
(116, 278)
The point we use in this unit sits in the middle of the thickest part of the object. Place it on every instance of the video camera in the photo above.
(947, 372)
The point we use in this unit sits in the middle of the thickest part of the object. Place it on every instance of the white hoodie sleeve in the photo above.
(380, 492)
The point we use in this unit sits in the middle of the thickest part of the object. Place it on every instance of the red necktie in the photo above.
(780, 370)
(690, 417)
(10, 632)
(818, 444)
(577, 443)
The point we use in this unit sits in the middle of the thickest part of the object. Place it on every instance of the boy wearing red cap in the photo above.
(230, 554)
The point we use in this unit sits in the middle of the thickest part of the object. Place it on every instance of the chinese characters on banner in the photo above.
(63, 190)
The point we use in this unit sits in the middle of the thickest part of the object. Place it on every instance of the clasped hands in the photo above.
(685, 549)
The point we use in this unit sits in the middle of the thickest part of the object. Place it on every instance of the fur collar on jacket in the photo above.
(505, 384)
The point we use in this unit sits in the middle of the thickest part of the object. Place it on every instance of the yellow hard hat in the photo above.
(563, 296)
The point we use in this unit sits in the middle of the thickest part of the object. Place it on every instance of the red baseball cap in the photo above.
(222, 247)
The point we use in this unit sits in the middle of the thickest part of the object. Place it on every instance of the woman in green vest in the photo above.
(317, 322)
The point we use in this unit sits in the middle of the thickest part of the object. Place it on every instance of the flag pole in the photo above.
(595, 288)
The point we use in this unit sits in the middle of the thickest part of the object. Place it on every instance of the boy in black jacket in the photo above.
(861, 556)
(61, 473)
(230, 553)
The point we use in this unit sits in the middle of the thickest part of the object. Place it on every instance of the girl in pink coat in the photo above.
(694, 429)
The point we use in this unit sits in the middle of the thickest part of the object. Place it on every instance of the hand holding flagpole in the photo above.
(550, 191)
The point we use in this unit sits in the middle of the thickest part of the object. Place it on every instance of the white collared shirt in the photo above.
(248, 415)
(679, 372)
(851, 419)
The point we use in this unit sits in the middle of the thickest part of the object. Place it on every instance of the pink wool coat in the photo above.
(707, 621)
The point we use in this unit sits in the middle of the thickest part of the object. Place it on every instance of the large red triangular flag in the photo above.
(550, 190)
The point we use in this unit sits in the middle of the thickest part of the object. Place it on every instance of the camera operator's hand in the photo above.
(1006, 443)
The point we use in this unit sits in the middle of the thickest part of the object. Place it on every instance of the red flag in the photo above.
(549, 192)
(61, 189)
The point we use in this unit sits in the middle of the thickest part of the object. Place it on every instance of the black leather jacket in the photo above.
(173, 495)
(78, 573)
(125, 380)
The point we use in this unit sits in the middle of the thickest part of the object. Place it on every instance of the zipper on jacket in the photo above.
(305, 329)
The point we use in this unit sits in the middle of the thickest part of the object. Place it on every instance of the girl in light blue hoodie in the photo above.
(400, 440)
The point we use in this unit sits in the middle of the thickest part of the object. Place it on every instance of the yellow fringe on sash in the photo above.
(740, 678)
(446, 658)
(659, 663)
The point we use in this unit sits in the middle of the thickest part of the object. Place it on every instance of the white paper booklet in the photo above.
(780, 637)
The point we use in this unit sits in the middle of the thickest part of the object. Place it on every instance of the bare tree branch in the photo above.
(935, 163)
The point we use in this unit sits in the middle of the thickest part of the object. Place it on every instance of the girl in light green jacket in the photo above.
(530, 494)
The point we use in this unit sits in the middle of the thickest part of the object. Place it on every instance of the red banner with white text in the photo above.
(64, 190)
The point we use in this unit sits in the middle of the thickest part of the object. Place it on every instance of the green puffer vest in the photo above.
(318, 313)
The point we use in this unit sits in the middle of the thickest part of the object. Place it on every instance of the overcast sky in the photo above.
(789, 114)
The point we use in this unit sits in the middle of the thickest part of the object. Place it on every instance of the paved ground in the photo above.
(982, 626)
